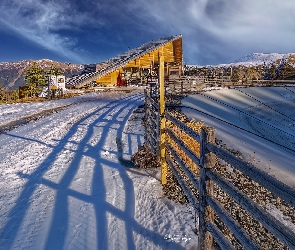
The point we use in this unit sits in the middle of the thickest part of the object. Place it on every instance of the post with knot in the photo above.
(206, 214)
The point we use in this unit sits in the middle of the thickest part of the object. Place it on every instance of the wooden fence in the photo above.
(192, 84)
(206, 179)
(8, 96)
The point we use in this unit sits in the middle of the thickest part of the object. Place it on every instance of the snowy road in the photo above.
(65, 184)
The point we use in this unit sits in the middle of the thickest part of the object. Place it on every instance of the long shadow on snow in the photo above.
(61, 216)
(12, 226)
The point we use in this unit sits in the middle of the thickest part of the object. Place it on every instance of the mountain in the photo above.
(11, 73)
(256, 59)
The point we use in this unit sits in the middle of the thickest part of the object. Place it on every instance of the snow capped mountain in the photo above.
(263, 58)
(256, 59)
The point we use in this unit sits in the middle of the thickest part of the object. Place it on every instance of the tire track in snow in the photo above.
(29, 147)
(101, 172)
(36, 175)
(79, 167)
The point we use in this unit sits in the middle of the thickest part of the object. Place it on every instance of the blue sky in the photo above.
(91, 31)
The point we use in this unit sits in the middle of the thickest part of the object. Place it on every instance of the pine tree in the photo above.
(252, 73)
(35, 79)
(15, 95)
(235, 76)
(286, 70)
(238, 74)
(54, 71)
(273, 71)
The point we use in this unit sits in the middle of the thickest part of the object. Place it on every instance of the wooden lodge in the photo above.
(135, 66)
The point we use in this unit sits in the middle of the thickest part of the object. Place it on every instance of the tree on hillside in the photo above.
(54, 71)
(251, 74)
(272, 71)
(285, 71)
(35, 79)
(237, 74)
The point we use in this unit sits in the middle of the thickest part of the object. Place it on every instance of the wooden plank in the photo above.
(151, 123)
(154, 104)
(152, 115)
(184, 187)
(177, 50)
(190, 154)
(183, 127)
(234, 227)
(202, 195)
(222, 241)
(205, 189)
(162, 124)
(283, 233)
(152, 145)
(153, 134)
(152, 140)
(273, 185)
(183, 166)
(151, 57)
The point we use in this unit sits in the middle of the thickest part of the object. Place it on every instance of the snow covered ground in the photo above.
(64, 183)
(259, 122)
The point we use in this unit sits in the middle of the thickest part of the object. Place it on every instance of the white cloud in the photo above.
(214, 31)
(39, 22)
(223, 29)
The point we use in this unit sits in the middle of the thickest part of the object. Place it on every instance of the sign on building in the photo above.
(61, 82)
(57, 82)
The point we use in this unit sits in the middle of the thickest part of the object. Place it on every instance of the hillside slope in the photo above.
(263, 58)
(11, 73)
(256, 59)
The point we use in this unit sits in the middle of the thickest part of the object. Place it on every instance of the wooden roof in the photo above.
(170, 47)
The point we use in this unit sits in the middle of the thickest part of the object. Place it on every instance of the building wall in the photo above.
(110, 79)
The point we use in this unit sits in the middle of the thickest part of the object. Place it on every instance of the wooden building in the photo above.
(136, 65)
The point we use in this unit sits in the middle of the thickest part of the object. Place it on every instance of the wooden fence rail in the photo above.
(186, 84)
(205, 203)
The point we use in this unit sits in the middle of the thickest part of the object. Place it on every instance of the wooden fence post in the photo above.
(181, 86)
(145, 116)
(174, 85)
(206, 213)
(162, 123)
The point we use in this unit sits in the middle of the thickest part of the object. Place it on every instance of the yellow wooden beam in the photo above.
(171, 51)
(162, 123)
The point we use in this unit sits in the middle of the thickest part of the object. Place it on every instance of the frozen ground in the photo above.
(259, 122)
(64, 183)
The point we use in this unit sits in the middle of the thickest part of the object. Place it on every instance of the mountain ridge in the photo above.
(255, 59)
(11, 73)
